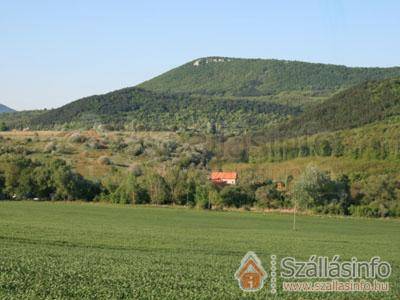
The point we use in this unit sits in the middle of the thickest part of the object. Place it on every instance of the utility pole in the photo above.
(294, 215)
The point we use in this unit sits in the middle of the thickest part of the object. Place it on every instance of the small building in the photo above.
(224, 178)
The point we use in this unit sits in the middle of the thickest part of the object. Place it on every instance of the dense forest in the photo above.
(137, 109)
(277, 99)
(377, 141)
(261, 77)
(365, 103)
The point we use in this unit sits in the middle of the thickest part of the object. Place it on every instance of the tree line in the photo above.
(314, 190)
(380, 141)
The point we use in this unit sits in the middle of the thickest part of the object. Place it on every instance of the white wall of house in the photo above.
(230, 181)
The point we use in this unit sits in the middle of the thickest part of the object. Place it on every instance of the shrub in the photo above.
(118, 145)
(136, 170)
(104, 160)
(269, 197)
(201, 197)
(158, 189)
(130, 192)
(50, 147)
(51, 180)
(3, 127)
(380, 197)
(135, 149)
(235, 196)
(77, 138)
(95, 145)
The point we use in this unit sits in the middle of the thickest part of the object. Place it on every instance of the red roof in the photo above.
(223, 175)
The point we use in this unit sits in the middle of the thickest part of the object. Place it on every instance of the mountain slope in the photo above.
(379, 140)
(261, 77)
(233, 96)
(138, 109)
(5, 109)
(366, 103)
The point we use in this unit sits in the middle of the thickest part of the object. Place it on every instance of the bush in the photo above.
(77, 138)
(3, 127)
(135, 169)
(201, 197)
(95, 145)
(380, 197)
(104, 160)
(269, 197)
(118, 145)
(158, 189)
(135, 149)
(50, 147)
(235, 196)
(49, 180)
(130, 192)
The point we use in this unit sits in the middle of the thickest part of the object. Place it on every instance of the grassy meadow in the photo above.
(76, 250)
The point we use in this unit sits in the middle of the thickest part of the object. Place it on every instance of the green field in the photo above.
(75, 250)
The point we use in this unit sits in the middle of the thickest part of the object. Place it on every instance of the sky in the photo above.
(54, 52)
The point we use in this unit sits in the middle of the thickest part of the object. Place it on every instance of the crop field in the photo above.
(98, 251)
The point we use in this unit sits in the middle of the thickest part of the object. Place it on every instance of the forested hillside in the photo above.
(377, 141)
(260, 77)
(354, 107)
(18, 120)
(138, 109)
(278, 99)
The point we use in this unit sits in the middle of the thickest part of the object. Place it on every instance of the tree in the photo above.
(158, 189)
(235, 196)
(316, 190)
(269, 197)
(338, 148)
(381, 197)
(16, 174)
(178, 183)
(2, 186)
(3, 127)
(201, 196)
(130, 192)
(54, 179)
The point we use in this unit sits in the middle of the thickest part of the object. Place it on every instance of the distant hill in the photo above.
(233, 96)
(224, 76)
(359, 105)
(5, 109)
(138, 109)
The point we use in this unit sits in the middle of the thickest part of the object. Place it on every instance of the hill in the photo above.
(218, 94)
(5, 109)
(359, 105)
(138, 109)
(376, 141)
(261, 77)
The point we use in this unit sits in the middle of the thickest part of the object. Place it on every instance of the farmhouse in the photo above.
(224, 177)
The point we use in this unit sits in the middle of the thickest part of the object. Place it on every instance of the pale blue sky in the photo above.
(53, 52)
